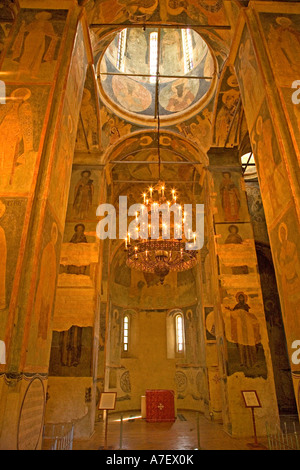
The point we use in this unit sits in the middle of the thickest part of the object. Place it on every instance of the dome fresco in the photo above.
(173, 54)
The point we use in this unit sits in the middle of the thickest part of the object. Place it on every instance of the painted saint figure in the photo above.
(225, 117)
(16, 132)
(268, 157)
(242, 328)
(46, 286)
(233, 236)
(70, 346)
(3, 259)
(115, 337)
(181, 96)
(79, 236)
(30, 44)
(284, 47)
(230, 198)
(289, 269)
(171, 53)
(83, 196)
(88, 134)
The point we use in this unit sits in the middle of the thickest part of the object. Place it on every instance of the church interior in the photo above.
(186, 102)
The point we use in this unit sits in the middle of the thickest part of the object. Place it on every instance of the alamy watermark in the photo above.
(153, 224)
(2, 92)
(296, 94)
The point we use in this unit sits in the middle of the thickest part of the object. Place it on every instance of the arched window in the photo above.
(179, 328)
(121, 50)
(153, 56)
(125, 332)
(187, 49)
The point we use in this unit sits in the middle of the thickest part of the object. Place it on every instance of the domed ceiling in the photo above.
(157, 71)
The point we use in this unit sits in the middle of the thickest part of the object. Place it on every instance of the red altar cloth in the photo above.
(160, 406)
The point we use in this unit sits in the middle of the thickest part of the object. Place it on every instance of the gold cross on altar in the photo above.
(160, 406)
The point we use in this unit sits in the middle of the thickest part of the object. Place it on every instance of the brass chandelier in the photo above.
(161, 255)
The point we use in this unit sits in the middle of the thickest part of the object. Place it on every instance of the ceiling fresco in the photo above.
(173, 54)
(130, 100)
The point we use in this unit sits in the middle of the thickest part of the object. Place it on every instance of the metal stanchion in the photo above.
(121, 430)
(198, 430)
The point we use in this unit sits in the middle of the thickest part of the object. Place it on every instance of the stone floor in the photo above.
(137, 434)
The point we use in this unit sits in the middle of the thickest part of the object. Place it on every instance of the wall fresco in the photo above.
(33, 52)
(21, 123)
(282, 36)
(271, 169)
(249, 78)
(12, 213)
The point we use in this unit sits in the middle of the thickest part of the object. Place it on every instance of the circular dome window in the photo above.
(154, 72)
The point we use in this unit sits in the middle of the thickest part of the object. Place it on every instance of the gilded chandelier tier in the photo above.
(155, 250)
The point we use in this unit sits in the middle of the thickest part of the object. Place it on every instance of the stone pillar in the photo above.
(266, 59)
(72, 387)
(44, 63)
(240, 326)
(213, 406)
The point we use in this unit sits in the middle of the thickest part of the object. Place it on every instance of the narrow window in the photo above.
(179, 334)
(187, 44)
(121, 50)
(125, 333)
(153, 56)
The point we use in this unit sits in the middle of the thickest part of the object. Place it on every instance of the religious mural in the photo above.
(192, 335)
(277, 340)
(84, 195)
(4, 32)
(112, 128)
(3, 261)
(33, 52)
(12, 213)
(88, 132)
(243, 335)
(71, 352)
(286, 249)
(65, 142)
(249, 78)
(231, 202)
(137, 93)
(21, 123)
(210, 328)
(44, 295)
(271, 170)
(8, 12)
(236, 252)
(120, 11)
(198, 129)
(228, 111)
(283, 39)
(282, 36)
(256, 211)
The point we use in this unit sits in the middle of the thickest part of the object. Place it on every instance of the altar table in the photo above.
(160, 406)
